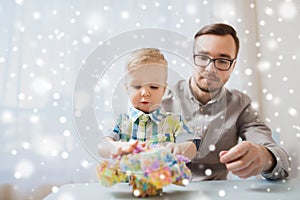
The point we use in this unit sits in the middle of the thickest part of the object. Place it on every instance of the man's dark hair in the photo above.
(220, 29)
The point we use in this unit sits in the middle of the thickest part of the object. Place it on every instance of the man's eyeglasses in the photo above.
(221, 64)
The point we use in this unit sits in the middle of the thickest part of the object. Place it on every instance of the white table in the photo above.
(205, 190)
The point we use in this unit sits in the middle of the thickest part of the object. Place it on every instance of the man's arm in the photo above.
(259, 153)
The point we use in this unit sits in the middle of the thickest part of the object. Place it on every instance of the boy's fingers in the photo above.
(177, 151)
(129, 150)
(115, 155)
(171, 147)
(143, 144)
(133, 142)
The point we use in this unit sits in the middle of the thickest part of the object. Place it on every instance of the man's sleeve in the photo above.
(252, 129)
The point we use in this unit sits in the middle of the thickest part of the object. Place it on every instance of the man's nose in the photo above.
(211, 67)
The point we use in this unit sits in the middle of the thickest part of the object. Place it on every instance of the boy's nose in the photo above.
(145, 92)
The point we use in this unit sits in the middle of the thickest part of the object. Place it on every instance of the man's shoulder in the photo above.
(237, 96)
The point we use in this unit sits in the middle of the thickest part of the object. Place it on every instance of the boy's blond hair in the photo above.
(146, 56)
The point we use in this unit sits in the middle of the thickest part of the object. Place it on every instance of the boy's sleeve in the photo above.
(183, 132)
(115, 133)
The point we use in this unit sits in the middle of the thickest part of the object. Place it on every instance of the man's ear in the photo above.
(233, 65)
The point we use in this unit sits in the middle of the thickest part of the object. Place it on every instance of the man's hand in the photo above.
(247, 159)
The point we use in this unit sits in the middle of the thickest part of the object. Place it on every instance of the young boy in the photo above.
(146, 82)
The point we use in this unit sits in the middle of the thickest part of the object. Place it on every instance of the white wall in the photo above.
(279, 38)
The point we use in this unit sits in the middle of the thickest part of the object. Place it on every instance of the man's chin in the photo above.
(209, 90)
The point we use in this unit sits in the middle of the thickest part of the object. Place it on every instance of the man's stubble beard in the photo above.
(207, 89)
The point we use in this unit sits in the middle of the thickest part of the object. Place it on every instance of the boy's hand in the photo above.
(125, 148)
(175, 148)
(187, 149)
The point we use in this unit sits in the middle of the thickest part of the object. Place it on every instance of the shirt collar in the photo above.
(155, 116)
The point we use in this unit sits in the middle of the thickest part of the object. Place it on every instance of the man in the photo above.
(221, 116)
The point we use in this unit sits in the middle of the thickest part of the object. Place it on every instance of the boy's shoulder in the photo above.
(122, 117)
(173, 116)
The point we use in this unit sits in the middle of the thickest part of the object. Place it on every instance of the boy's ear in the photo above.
(165, 87)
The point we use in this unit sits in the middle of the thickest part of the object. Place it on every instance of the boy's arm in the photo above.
(185, 138)
(109, 148)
